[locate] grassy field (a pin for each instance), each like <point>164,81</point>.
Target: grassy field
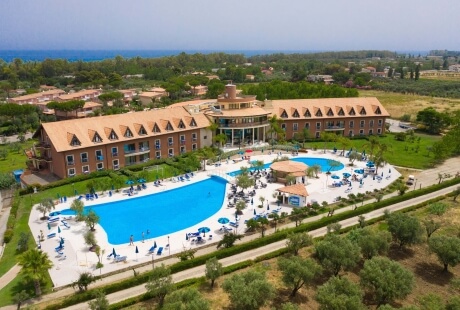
<point>400,104</point>
<point>15,159</point>
<point>401,153</point>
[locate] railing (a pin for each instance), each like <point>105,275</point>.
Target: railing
<point>144,149</point>
<point>130,151</point>
<point>182,142</point>
<point>70,163</point>
<point>232,125</point>
<point>43,145</point>
<point>116,167</point>
<point>84,160</point>
<point>100,157</point>
<point>334,127</point>
<point>115,154</point>
<point>157,146</point>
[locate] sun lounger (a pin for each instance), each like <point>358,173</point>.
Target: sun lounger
<point>63,257</point>
<point>120,259</point>
<point>160,250</point>
<point>110,193</point>
<point>233,224</point>
<point>144,186</point>
<point>152,249</point>
<point>80,197</point>
<point>52,235</point>
<point>210,237</point>
<point>95,195</point>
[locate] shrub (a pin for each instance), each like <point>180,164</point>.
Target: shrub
<point>8,235</point>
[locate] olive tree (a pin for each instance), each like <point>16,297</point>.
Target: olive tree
<point>186,299</point>
<point>213,270</point>
<point>447,249</point>
<point>341,294</point>
<point>405,229</point>
<point>297,241</point>
<point>297,272</point>
<point>160,283</point>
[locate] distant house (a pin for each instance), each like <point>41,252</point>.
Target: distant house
<point>199,90</point>
<point>454,68</point>
<point>250,77</point>
<point>212,77</point>
<point>153,94</point>
<point>327,79</point>
<point>128,94</point>
<point>44,96</point>
<point>379,74</point>
<point>368,70</point>
<point>85,95</point>
<point>46,87</point>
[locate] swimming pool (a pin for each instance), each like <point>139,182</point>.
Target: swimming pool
<point>161,213</point>
<point>309,161</point>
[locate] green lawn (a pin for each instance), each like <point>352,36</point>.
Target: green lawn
<point>14,160</point>
<point>402,153</point>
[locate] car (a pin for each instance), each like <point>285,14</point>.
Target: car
<point>410,180</point>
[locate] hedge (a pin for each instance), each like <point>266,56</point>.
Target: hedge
<point>278,236</point>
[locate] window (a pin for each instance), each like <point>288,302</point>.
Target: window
<point>182,149</point>
<point>352,112</point>
<point>370,132</point>
<point>129,148</point>
<point>379,131</point>
<point>317,134</point>
<point>97,138</point>
<point>379,123</point>
<point>351,133</point>
<point>142,131</point>
<point>193,136</point>
<point>99,155</point>
<point>295,127</point>
<point>283,126</point>
<point>128,133</point>
<point>113,135</point>
<point>100,166</point>
<point>295,114</point>
<point>170,141</point>
<point>182,139</point>
<point>341,112</point>
<point>319,113</point>
<point>114,151</point>
<point>205,137</point>
<point>156,129</point>
<point>318,125</point>
<point>284,114</point>
<point>75,141</point>
<point>330,113</point>
<point>371,123</point>
<point>181,124</point>
<point>84,157</point>
<point>307,125</point>
<point>307,113</point>
<point>330,124</point>
<point>169,126</point>
<point>85,169</point>
<point>116,164</point>
<point>144,146</point>
<point>362,124</point>
<point>170,152</point>
<point>157,144</point>
<point>363,111</point>
<point>157,154</point>
<point>378,111</point>
<point>194,147</point>
<point>361,132</point>
<point>71,172</point>
<point>193,123</point>
<point>70,160</point>
<point>352,124</point>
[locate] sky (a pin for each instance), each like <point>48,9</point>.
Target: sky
<point>396,25</point>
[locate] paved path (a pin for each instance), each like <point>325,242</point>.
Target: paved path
<point>9,276</point>
<point>426,178</point>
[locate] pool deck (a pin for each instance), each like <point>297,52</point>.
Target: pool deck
<point>79,259</point>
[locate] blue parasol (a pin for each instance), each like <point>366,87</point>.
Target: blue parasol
<point>114,254</point>
<point>137,251</point>
<point>223,220</point>
<point>255,212</point>
<point>130,182</point>
<point>335,176</point>
<point>141,180</point>
<point>204,230</point>
<point>346,174</point>
<point>186,237</point>
<point>252,201</point>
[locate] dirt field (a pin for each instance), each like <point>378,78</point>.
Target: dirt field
<point>424,265</point>
<point>398,104</point>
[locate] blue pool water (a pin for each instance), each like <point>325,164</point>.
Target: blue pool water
<point>310,161</point>
<point>162,213</point>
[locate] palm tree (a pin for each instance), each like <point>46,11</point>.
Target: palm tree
<point>372,144</point>
<point>220,138</point>
<point>275,129</point>
<point>205,153</point>
<point>345,143</point>
<point>328,137</point>
<point>35,265</point>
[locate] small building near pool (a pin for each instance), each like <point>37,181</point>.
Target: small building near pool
<point>293,195</point>
<point>285,168</point>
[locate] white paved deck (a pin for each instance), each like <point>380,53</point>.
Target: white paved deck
<point>79,259</point>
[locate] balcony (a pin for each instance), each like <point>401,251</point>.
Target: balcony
<point>100,157</point>
<point>43,145</point>
<point>115,154</point>
<point>182,142</point>
<point>141,151</point>
<point>194,139</point>
<point>70,163</point>
<point>130,151</point>
<point>43,158</point>
<point>243,125</point>
<point>84,160</point>
<point>157,146</point>
<point>332,128</point>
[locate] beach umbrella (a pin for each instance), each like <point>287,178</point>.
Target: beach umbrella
<point>59,229</point>
<point>240,152</point>
<point>252,201</point>
<point>114,254</point>
<point>154,244</point>
<point>248,151</point>
<point>186,237</point>
<point>130,182</point>
<point>141,180</point>
<point>49,226</point>
<point>223,220</point>
<point>335,176</point>
<point>255,212</point>
<point>346,174</point>
<point>204,230</point>
<point>137,251</point>
<point>268,206</point>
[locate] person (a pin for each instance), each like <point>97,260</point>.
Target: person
<point>143,237</point>
<point>42,237</point>
<point>131,240</point>
<point>209,193</point>
<point>148,231</point>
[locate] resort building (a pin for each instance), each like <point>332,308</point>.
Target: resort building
<point>344,116</point>
<point>73,147</point>
<point>45,96</point>
<point>80,146</point>
<point>85,95</point>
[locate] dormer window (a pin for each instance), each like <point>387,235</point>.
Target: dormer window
<point>284,114</point>
<point>363,111</point>
<point>352,111</point>
<point>113,135</point>
<point>75,141</point>
<point>193,123</point>
<point>128,133</point>
<point>378,111</point>
<point>330,113</point>
<point>319,113</point>
<point>181,125</point>
<point>341,112</point>
<point>307,113</point>
<point>142,131</point>
<point>156,129</point>
<point>169,127</point>
<point>97,138</point>
<point>296,114</point>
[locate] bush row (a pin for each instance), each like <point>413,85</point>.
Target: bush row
<point>9,232</point>
<point>257,243</point>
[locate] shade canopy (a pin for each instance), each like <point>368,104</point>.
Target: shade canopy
<point>223,220</point>
<point>289,166</point>
<point>114,254</point>
<point>130,182</point>
<point>141,180</point>
<point>204,230</point>
<point>335,176</point>
<point>248,151</point>
<point>137,250</point>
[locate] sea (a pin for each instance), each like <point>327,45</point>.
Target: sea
<point>97,55</point>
